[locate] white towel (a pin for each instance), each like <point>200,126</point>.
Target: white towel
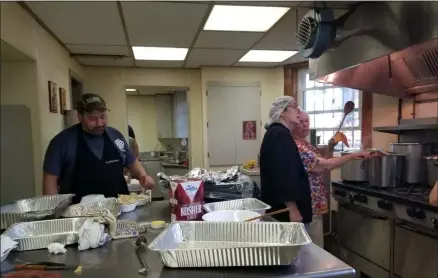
<point>92,233</point>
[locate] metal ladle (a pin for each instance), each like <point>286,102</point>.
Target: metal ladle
<point>140,244</point>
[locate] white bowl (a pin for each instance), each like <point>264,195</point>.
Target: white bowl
<point>142,202</point>
<point>128,208</point>
<point>230,215</point>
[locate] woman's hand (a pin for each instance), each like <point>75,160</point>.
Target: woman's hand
<point>363,154</point>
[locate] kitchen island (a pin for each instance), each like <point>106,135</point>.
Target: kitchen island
<point>118,258</point>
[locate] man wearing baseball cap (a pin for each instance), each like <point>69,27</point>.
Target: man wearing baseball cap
<point>90,157</point>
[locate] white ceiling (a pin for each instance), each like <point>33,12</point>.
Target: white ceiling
<point>111,28</point>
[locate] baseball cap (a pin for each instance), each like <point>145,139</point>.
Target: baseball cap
<point>90,102</point>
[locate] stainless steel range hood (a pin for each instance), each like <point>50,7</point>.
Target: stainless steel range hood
<point>400,59</point>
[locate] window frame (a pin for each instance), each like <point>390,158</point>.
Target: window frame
<point>301,83</point>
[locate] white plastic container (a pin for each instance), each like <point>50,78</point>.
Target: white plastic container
<point>128,208</point>
<point>230,216</point>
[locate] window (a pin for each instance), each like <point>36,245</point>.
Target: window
<point>325,105</point>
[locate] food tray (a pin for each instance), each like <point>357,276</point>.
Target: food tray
<point>38,208</point>
<point>229,244</point>
<point>93,208</point>
<point>252,204</point>
<point>39,234</point>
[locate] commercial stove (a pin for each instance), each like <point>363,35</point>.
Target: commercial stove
<point>387,232</point>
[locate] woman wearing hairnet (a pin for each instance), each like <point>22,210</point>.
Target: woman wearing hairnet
<point>284,181</point>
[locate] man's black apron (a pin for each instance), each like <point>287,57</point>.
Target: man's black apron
<point>97,176</point>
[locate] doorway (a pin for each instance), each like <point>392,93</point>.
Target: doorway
<point>76,88</point>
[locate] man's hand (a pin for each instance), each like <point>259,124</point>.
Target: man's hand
<point>147,181</point>
<point>295,216</point>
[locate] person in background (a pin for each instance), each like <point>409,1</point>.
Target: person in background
<point>284,181</point>
<point>89,157</point>
<point>315,165</point>
<point>133,142</point>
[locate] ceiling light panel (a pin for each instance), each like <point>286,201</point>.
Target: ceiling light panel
<point>243,18</point>
<point>131,90</point>
<point>159,53</point>
<point>268,56</point>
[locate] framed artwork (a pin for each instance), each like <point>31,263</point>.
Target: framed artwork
<point>249,130</point>
<point>53,97</point>
<point>62,100</point>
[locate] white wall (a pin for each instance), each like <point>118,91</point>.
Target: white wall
<point>53,62</point>
<point>142,117</point>
<point>110,83</point>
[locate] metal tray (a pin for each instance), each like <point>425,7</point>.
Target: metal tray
<point>38,208</point>
<point>93,208</point>
<point>229,244</point>
<point>39,234</point>
<point>252,204</point>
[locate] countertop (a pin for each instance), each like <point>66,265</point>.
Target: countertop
<point>170,165</point>
<point>118,259</point>
<point>413,200</point>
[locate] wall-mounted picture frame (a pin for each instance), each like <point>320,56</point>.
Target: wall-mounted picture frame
<point>53,97</point>
<point>62,100</point>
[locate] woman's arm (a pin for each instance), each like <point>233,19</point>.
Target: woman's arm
<point>335,162</point>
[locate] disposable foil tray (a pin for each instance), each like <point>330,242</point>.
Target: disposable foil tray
<point>229,244</point>
<point>39,234</point>
<point>93,208</point>
<point>33,209</point>
<point>252,204</point>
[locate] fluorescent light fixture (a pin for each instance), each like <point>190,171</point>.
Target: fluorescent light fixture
<point>273,56</point>
<point>243,18</point>
<point>131,90</point>
<point>159,53</point>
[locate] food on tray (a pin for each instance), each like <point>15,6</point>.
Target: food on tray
<point>186,200</point>
<point>340,137</point>
<point>250,164</point>
<point>127,199</point>
<point>158,224</point>
<point>137,197</point>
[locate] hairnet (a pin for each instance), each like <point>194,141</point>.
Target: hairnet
<point>277,107</point>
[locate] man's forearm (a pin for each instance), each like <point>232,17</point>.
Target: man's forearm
<point>50,184</point>
<point>136,169</point>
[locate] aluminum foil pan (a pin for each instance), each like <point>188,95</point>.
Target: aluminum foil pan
<point>229,244</point>
<point>39,234</point>
<point>231,174</point>
<point>252,204</point>
<point>93,208</point>
<point>38,208</point>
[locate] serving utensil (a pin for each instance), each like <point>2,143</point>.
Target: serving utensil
<point>268,214</point>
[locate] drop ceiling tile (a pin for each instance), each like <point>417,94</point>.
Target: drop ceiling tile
<point>282,35</point>
<point>260,3</point>
<point>297,58</point>
<point>329,4</point>
<point>213,57</point>
<point>228,40</point>
<point>159,64</point>
<point>163,24</point>
<point>81,22</point>
<point>257,64</point>
<point>99,49</point>
<point>107,62</point>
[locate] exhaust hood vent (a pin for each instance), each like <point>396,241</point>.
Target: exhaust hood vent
<point>399,58</point>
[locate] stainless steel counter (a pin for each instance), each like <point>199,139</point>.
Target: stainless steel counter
<point>118,259</point>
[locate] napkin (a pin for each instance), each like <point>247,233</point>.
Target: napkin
<point>7,244</point>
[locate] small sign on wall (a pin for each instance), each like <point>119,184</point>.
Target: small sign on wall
<point>53,97</point>
<point>249,129</point>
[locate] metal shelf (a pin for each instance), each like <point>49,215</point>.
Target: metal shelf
<point>405,128</point>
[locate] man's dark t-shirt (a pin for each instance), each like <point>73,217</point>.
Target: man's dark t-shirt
<point>282,174</point>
